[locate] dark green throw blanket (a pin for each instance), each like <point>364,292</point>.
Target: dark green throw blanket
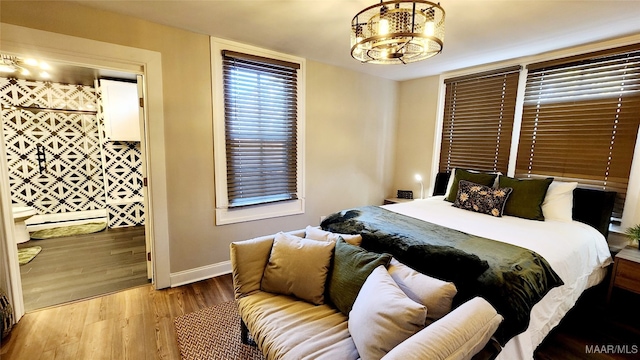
<point>513,279</point>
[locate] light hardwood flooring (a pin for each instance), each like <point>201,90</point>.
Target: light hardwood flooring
<point>81,266</point>
<point>138,324</point>
<point>131,324</point>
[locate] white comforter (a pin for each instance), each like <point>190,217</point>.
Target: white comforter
<point>577,252</point>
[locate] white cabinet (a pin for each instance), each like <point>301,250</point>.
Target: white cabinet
<point>121,110</point>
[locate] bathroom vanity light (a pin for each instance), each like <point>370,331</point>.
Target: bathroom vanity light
<point>10,64</point>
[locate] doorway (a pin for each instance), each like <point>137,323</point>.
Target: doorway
<point>67,165</point>
<point>95,54</point>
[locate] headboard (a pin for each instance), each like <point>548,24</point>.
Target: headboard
<point>440,185</point>
<point>592,207</point>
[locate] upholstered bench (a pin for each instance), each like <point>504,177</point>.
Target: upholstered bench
<point>322,297</point>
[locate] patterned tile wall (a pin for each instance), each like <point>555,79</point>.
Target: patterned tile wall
<point>46,95</point>
<point>83,170</point>
<point>71,178</point>
<point>123,178</point>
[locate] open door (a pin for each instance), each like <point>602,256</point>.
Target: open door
<point>143,149</point>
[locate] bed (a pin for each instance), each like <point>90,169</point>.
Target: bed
<point>577,252</point>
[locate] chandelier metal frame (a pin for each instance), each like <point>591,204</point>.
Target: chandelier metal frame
<point>397,32</point>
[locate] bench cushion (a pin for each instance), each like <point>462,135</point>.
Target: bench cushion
<point>287,328</point>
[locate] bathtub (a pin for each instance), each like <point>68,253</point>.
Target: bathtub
<point>48,221</point>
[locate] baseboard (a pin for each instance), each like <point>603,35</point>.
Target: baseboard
<point>201,273</point>
<point>48,221</point>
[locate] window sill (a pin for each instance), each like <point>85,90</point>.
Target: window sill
<point>226,216</point>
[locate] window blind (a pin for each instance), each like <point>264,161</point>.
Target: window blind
<point>580,121</point>
<point>478,121</point>
<point>260,101</point>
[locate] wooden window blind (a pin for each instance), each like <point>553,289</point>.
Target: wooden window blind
<point>260,103</point>
<point>478,121</point>
<point>580,121</point>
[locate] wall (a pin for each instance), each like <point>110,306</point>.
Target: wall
<point>416,134</point>
<point>350,126</point>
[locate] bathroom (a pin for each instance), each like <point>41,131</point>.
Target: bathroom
<point>72,164</point>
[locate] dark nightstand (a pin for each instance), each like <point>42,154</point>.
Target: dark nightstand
<point>395,201</point>
<point>626,271</point>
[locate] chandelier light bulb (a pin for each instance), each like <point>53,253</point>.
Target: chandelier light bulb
<point>44,66</point>
<point>383,27</point>
<point>44,75</point>
<point>429,28</point>
<point>25,72</point>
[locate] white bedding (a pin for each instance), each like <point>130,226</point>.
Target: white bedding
<point>577,252</point>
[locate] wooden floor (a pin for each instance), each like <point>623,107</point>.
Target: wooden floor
<point>131,324</point>
<point>82,266</point>
<point>138,324</point>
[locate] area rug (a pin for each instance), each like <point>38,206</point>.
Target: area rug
<point>213,334</point>
<point>27,254</point>
<point>68,230</point>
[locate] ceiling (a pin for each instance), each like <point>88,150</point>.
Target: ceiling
<point>476,31</point>
<point>70,74</point>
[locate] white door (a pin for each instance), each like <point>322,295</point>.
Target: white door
<point>143,149</point>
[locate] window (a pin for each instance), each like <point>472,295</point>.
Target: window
<point>478,121</point>
<point>260,106</point>
<point>257,134</point>
<point>580,120</point>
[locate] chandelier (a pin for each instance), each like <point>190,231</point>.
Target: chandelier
<point>397,32</point>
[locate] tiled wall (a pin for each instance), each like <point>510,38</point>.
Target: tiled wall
<point>71,179</point>
<point>123,179</point>
<point>74,178</point>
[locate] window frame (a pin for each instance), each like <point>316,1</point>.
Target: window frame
<point>225,214</point>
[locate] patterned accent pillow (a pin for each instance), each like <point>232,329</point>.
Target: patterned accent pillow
<point>482,199</point>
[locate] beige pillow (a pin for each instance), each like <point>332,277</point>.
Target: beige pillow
<point>298,267</point>
<point>322,235</point>
<point>435,294</point>
<point>383,316</point>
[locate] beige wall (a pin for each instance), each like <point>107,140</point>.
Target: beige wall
<point>415,136</point>
<point>350,126</point>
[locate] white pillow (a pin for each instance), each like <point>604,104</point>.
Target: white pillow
<point>383,316</point>
<point>435,294</point>
<point>558,202</point>
<point>315,233</point>
<point>459,335</point>
<point>298,267</point>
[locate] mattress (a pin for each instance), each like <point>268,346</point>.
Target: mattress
<point>577,252</point>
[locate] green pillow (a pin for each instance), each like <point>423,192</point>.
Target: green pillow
<point>526,198</point>
<point>478,178</point>
<point>351,267</point>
